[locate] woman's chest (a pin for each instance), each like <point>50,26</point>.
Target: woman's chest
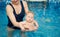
<point>18,9</point>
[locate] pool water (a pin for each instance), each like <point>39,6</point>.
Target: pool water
<point>48,18</point>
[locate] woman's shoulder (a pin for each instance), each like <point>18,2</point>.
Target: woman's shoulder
<point>8,7</point>
<point>24,2</point>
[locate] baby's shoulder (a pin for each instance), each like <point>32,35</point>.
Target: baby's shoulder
<point>34,21</point>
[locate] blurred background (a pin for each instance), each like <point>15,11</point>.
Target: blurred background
<point>47,14</point>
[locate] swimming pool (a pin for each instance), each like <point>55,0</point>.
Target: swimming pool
<point>48,18</point>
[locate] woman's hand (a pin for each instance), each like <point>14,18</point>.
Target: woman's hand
<point>21,26</point>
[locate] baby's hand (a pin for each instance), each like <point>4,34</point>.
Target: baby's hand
<point>35,28</point>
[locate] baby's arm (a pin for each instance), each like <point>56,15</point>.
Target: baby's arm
<point>35,24</point>
<point>32,27</point>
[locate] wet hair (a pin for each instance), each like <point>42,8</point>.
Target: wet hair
<point>30,12</point>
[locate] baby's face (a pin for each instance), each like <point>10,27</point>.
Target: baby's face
<point>29,17</point>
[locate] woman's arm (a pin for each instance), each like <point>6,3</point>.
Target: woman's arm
<point>11,15</point>
<point>22,26</point>
<point>25,7</point>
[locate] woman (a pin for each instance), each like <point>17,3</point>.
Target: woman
<point>16,10</point>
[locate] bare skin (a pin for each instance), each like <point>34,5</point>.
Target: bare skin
<point>29,24</point>
<point>18,8</point>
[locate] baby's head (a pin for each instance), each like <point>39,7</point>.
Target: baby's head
<point>29,17</point>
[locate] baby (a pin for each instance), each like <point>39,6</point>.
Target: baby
<point>29,24</point>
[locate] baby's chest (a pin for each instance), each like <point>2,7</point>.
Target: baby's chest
<point>28,25</point>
